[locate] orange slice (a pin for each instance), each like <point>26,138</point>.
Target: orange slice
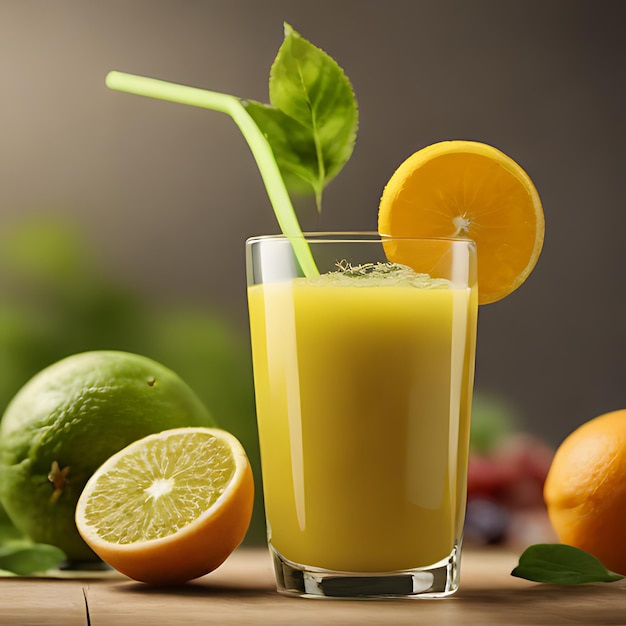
<point>470,190</point>
<point>170,507</point>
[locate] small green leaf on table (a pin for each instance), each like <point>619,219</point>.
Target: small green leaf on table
<point>561,564</point>
<point>24,558</point>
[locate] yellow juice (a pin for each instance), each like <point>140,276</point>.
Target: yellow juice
<point>363,400</point>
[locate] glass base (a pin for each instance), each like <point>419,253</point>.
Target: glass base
<point>436,581</point>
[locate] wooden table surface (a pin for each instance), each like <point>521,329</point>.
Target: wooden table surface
<point>242,592</point>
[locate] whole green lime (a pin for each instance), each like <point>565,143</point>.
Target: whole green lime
<point>70,418</point>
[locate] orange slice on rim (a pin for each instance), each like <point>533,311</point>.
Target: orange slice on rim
<point>470,190</point>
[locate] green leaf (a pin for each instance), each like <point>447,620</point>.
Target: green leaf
<point>312,121</point>
<point>25,558</point>
<point>561,564</point>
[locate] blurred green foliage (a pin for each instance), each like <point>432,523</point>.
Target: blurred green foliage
<point>56,300</point>
<point>493,419</point>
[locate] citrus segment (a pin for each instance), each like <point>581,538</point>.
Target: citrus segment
<point>169,507</point>
<point>585,490</point>
<point>469,190</point>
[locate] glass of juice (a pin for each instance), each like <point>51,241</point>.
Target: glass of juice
<point>363,380</point>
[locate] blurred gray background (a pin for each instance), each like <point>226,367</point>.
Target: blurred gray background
<point>166,195</point>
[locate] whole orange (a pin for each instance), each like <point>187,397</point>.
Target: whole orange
<point>585,490</point>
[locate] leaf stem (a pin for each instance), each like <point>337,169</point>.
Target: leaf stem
<point>259,146</point>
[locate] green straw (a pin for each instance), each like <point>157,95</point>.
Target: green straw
<point>261,150</point>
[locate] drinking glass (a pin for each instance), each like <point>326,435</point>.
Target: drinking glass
<point>363,381</point>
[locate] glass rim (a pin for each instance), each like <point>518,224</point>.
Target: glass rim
<point>350,236</point>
